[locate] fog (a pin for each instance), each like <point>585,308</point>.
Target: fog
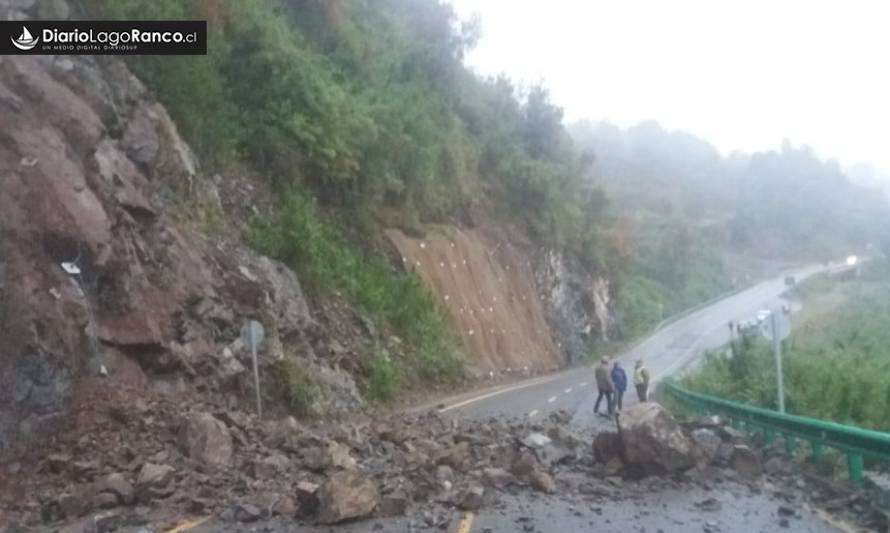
<point>744,74</point>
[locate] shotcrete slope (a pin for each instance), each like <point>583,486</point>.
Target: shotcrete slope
<point>487,289</point>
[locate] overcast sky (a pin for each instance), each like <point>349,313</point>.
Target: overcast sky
<point>740,74</point>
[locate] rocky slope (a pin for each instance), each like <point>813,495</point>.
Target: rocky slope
<point>111,278</point>
<point>97,276</point>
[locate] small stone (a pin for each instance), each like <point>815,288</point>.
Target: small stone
<point>542,481</point>
<point>105,500</point>
<point>285,506</point>
<point>393,504</point>
<point>784,510</point>
<point>247,513</point>
<point>746,462</point>
<point>497,478</point>
<point>472,498</point>
<point>116,484</point>
<point>107,521</point>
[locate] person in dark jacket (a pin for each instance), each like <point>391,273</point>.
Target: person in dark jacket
<point>604,386</point>
<point>619,380</point>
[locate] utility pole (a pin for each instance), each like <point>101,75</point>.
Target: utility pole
<point>777,349</point>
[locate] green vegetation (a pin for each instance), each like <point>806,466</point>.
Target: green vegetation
<point>384,377</point>
<point>300,235</point>
<point>368,105</point>
<point>294,385</point>
<point>836,363</point>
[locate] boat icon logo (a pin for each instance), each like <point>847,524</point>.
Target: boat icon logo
<point>26,41</point>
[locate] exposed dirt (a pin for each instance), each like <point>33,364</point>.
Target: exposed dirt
<point>487,288</point>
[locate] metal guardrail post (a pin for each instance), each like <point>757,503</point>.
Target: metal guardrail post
<point>769,436</point>
<point>854,463</point>
<point>816,448</point>
<point>790,444</point>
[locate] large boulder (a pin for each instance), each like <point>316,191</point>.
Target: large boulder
<point>205,438</point>
<point>346,495</point>
<point>653,441</point>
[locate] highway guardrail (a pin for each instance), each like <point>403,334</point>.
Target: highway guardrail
<point>855,442</point>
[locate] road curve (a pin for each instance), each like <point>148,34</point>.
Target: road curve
<point>666,352</point>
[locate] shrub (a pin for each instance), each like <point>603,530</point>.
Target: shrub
<point>315,246</point>
<point>384,377</point>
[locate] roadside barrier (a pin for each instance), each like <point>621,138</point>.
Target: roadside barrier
<point>855,442</point>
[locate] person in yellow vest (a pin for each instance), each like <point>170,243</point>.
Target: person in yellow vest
<point>641,381</point>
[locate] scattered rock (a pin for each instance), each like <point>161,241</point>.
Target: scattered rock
<point>542,482</point>
<point>117,485</point>
<point>455,456</point>
<point>154,481</point>
<point>339,457</point>
<point>394,504</point>
<point>307,498</point>
<point>497,478</point>
<point>345,495</point>
<point>709,505</point>
<point>107,521</point>
<point>247,513</point>
<point>285,506</point>
<point>746,462</point>
<point>708,441</point>
<point>269,467</point>
<point>524,465</point>
<point>207,439</point>
<point>471,500</point>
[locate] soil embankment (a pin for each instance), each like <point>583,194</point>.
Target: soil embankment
<point>487,289</point>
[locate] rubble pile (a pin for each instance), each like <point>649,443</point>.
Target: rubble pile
<point>150,461</point>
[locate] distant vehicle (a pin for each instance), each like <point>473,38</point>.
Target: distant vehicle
<point>762,315</point>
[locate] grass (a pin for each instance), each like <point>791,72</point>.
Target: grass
<point>384,377</point>
<point>315,246</point>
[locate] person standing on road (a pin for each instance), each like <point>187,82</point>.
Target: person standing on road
<point>604,386</point>
<point>619,380</point>
<point>641,381</point>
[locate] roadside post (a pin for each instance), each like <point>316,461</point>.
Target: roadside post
<point>780,328</point>
<point>252,334</point>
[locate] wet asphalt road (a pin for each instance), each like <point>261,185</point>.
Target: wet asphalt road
<point>668,351</point>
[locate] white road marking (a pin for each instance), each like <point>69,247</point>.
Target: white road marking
<point>497,392</point>
<point>568,390</point>
<point>533,413</point>
<point>582,384</point>
<point>552,399</point>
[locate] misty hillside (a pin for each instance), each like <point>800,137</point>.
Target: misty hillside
<point>783,204</point>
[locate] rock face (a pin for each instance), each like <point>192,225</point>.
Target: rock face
<point>207,439</point>
<point>576,304</point>
<point>87,163</point>
<point>346,495</point>
<point>653,442</point>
